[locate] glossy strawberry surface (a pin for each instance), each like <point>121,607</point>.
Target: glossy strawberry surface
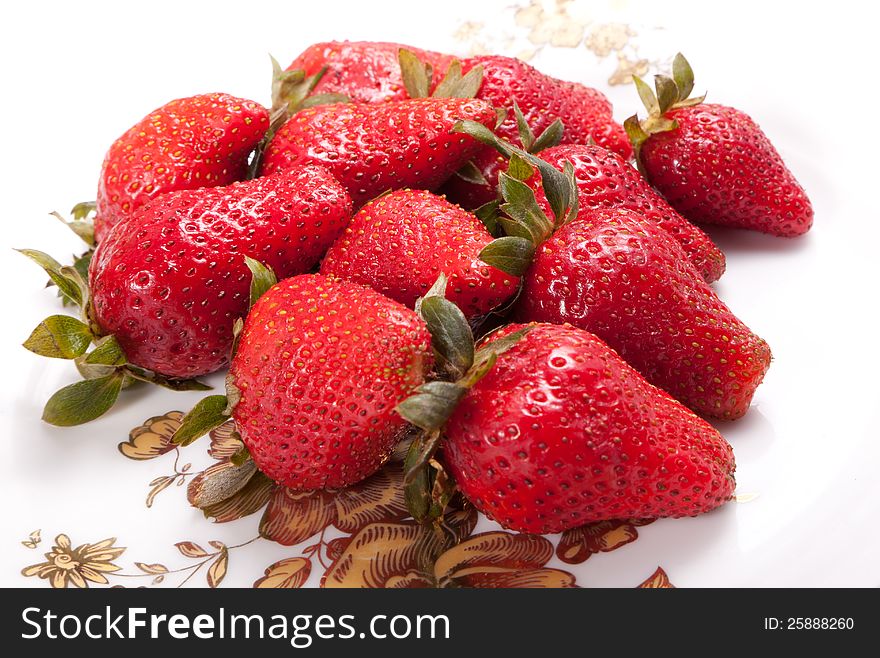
<point>605,180</point>
<point>718,167</point>
<point>365,71</point>
<point>320,367</point>
<point>170,280</point>
<point>375,148</point>
<point>400,243</point>
<point>585,112</point>
<point>620,276</point>
<point>199,141</point>
<point>562,432</point>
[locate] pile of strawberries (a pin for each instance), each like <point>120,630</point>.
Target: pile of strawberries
<point>465,259</point>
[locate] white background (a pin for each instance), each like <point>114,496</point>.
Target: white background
<point>76,75</point>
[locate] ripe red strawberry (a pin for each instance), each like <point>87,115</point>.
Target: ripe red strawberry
<point>200,141</point>
<point>562,432</point>
<point>620,276</point>
<point>375,148</point>
<point>585,113</point>
<point>365,71</point>
<point>169,281</point>
<point>713,163</point>
<point>320,367</point>
<point>400,243</point>
<point>605,180</point>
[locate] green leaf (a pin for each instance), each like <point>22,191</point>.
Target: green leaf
<point>456,85</point>
<point>420,452</point>
<point>574,200</point>
<point>70,286</point>
<point>556,185</point>
<point>557,188</point>
<point>526,136</point>
<point>451,335</point>
<point>83,228</point>
<point>417,479</point>
<point>690,102</point>
<point>510,254</point>
<point>635,132</point>
<point>431,405</point>
<point>438,289</point>
<point>500,346</point>
<point>480,370</point>
<point>262,278</point>
<point>519,168</point>
<point>81,265</point>
<point>667,92</point>
<point>60,337</point>
<point>83,401</point>
<point>465,86</point>
<point>683,75</point>
<point>237,328</point>
<point>487,356</point>
<point>521,206</point>
<point>205,416</point>
<point>416,74</point>
<point>488,214</point>
<point>283,82</point>
<point>83,209</point>
<point>107,352</point>
<point>289,91</point>
<point>483,135</point>
<point>450,81</point>
<point>551,136</point>
<point>94,371</point>
<point>324,99</point>
<point>472,174</point>
<point>647,95</point>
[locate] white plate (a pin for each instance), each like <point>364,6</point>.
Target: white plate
<point>807,452</point>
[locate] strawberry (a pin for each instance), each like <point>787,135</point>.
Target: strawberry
<point>200,141</point>
<point>562,432</point>
<point>585,113</point>
<point>400,243</point>
<point>617,274</point>
<point>605,180</point>
<point>320,366</point>
<point>374,148</point>
<point>169,281</point>
<point>713,163</point>
<point>365,71</point>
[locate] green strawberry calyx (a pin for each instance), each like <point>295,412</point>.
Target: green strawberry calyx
<point>518,213</point>
<point>417,76</point>
<point>668,94</point>
<point>105,369</point>
<point>291,93</point>
<point>460,365</point>
<point>82,224</point>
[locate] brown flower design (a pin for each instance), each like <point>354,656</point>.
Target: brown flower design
<point>152,438</point>
<point>293,517</point>
<point>409,555</point>
<point>78,566</point>
<point>225,441</point>
<point>658,580</point>
<point>578,544</point>
<point>381,545</point>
